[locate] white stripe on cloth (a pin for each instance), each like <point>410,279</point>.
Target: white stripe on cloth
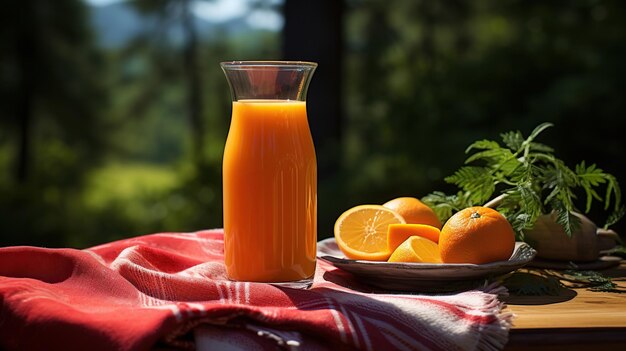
<point>247,292</point>
<point>355,337</point>
<point>366,337</point>
<point>228,292</point>
<point>337,318</point>
<point>218,286</point>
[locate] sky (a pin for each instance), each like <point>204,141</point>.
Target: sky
<point>224,10</point>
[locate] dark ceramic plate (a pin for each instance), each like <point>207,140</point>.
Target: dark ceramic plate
<point>423,276</point>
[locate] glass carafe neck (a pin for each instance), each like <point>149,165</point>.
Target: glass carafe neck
<point>268,80</point>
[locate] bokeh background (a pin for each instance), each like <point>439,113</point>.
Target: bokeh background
<point>114,114</point>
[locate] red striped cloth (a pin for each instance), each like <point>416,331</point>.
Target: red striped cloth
<point>171,289</point>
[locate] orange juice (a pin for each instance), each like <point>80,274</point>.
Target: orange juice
<point>270,192</point>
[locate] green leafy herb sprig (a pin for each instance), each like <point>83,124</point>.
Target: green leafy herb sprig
<point>529,180</point>
<point>592,280</point>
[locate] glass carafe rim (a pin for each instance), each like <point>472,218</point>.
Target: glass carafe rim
<point>243,65</point>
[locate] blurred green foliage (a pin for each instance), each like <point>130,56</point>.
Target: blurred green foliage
<point>427,78</point>
<point>111,142</point>
<point>140,177</point>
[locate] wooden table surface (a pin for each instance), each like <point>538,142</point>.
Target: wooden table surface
<point>576,319</point>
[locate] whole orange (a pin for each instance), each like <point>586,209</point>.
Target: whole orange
<point>414,211</point>
<point>476,235</point>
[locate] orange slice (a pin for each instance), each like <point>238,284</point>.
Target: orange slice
<point>361,232</point>
<point>398,233</point>
<point>418,250</point>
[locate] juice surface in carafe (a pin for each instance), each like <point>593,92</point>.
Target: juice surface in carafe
<point>270,192</point>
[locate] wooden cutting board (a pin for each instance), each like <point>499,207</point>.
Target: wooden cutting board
<point>576,319</point>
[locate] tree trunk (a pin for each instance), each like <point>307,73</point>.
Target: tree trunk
<point>193,78</point>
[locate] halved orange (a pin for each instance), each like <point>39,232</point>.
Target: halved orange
<point>361,232</point>
<point>417,250</point>
<point>398,233</point>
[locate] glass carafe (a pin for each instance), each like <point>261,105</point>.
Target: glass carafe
<point>270,175</point>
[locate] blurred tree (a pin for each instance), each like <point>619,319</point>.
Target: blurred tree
<point>178,12</point>
<point>52,98</point>
<point>49,84</point>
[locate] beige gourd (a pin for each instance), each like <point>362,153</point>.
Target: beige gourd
<point>585,244</point>
<point>551,241</point>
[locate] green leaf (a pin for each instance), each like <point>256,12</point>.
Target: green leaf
<point>540,128</point>
<point>513,140</point>
<point>520,221</point>
<point>609,191</point>
<point>483,145</point>
<point>613,188</point>
<point>567,221</point>
<point>590,175</point>
<point>531,201</point>
<point>522,206</point>
<point>497,158</point>
<point>445,205</point>
<point>522,173</point>
<point>493,154</point>
<point>565,218</point>
<point>560,180</point>
<point>510,166</point>
<point>538,147</point>
<point>478,182</point>
<point>466,176</point>
<point>615,216</point>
